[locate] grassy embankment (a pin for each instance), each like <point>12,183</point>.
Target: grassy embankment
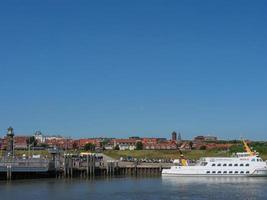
<point>194,154</point>
<point>170,154</point>
<point>164,154</point>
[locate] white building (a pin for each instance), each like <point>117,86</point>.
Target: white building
<point>39,137</point>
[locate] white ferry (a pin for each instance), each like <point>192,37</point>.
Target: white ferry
<point>241,164</point>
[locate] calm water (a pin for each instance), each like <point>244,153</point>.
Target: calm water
<point>136,188</point>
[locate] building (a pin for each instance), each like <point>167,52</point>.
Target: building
<point>125,144</point>
<point>80,143</point>
<point>199,138</point>
<point>20,142</point>
<point>1,143</point>
<point>185,146</point>
<point>205,138</point>
<point>153,140</point>
<point>210,138</point>
<point>174,136</point>
<point>39,137</point>
<point>165,145</point>
<point>179,137</point>
<point>61,143</point>
<point>108,146</point>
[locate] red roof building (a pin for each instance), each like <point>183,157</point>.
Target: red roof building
<point>82,142</point>
<point>166,145</point>
<point>124,141</point>
<point>149,141</point>
<point>20,142</point>
<point>62,143</point>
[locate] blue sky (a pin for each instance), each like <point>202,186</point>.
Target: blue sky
<point>123,68</point>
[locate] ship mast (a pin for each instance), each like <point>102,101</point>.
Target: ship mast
<point>247,148</point>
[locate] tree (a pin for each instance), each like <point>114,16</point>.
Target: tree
<point>31,141</point>
<point>203,147</point>
<point>44,145</point>
<point>103,143</point>
<point>75,146</point>
<point>89,147</point>
<point>117,147</point>
<point>191,144</point>
<point>139,146</point>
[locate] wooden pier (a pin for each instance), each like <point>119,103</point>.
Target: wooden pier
<point>31,168</point>
<point>90,167</point>
<point>73,166</point>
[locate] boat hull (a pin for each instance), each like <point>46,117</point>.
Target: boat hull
<point>205,175</point>
<point>256,173</point>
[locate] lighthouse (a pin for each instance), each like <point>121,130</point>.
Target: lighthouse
<point>10,141</point>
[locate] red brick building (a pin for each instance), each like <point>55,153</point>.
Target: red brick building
<point>124,141</point>
<point>82,142</point>
<point>20,142</point>
<point>150,141</point>
<point>163,145</point>
<point>62,143</point>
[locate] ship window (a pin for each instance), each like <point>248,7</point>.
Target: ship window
<point>236,164</point>
<point>230,165</point>
<point>241,172</point>
<point>241,164</point>
<point>213,172</point>
<point>213,165</point>
<point>208,172</point>
<point>247,172</point>
<point>203,163</point>
<point>230,172</point>
<point>225,172</point>
<point>219,164</point>
<point>247,165</point>
<point>236,172</point>
<point>224,165</point>
<point>219,172</point>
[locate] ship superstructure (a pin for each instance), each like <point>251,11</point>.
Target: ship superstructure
<point>247,163</point>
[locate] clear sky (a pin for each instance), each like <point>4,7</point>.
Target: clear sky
<point>123,68</point>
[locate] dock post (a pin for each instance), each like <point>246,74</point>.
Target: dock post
<point>68,166</point>
<point>65,173</point>
<point>93,166</point>
<point>71,167</point>
<point>8,172</point>
<point>108,168</point>
<point>87,165</point>
<point>135,168</point>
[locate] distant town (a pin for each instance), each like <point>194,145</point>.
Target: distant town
<point>40,141</point>
<point>39,155</point>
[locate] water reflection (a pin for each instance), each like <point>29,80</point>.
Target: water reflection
<point>217,187</point>
<point>156,188</point>
<point>213,180</point>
